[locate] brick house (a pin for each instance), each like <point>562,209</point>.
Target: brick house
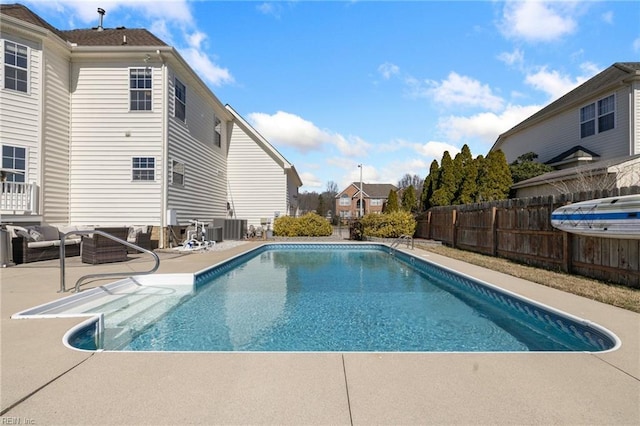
<point>374,197</point>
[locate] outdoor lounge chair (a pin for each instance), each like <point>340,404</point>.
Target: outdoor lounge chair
<point>100,249</point>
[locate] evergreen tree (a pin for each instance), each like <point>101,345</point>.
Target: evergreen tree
<point>409,199</point>
<point>466,187</point>
<point>429,185</point>
<point>494,177</point>
<point>392,202</point>
<point>444,192</point>
<point>525,167</point>
<point>321,210</point>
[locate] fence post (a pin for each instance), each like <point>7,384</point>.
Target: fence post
<point>454,214</point>
<point>494,232</point>
<point>567,252</point>
<point>428,225</point>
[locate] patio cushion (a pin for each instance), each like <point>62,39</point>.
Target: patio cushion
<point>49,233</point>
<point>38,244</point>
<point>67,241</point>
<point>34,235</point>
<point>14,229</point>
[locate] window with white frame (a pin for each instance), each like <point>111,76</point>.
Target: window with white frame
<point>376,202</point>
<point>606,113</point>
<point>177,172</point>
<point>217,131</point>
<point>140,86</point>
<point>180,100</point>
<point>14,158</point>
<point>345,200</point>
<point>597,117</point>
<point>16,67</point>
<point>143,168</point>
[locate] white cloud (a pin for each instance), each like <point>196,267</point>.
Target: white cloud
<point>177,11</point>
<point>294,131</point>
<point>636,45</point>
<point>354,146</point>
<point>290,129</point>
<point>608,17</point>
<point>515,58</point>
<point>270,8</point>
<point>459,90</point>
<point>434,149</point>
<point>538,21</point>
<point>486,126</point>
<point>556,84</point>
<point>206,68</point>
<point>387,70</point>
<point>311,181</point>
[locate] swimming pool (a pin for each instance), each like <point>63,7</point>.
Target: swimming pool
<point>334,297</point>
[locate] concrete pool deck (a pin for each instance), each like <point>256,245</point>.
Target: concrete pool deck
<point>43,382</point>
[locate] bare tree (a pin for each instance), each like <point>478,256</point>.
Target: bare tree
<point>332,188</point>
<point>604,178</point>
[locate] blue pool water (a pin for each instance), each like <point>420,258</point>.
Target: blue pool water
<point>350,298</point>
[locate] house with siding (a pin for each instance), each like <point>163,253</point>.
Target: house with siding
<point>374,198</point>
<point>597,121</point>
<point>266,189</point>
<point>106,127</point>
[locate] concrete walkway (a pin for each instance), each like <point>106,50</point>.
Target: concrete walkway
<point>43,382</point>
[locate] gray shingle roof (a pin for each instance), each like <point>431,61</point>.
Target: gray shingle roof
<point>23,13</point>
<point>87,37</point>
<point>376,190</point>
<point>113,37</point>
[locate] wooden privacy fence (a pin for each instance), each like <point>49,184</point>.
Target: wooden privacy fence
<point>520,230</point>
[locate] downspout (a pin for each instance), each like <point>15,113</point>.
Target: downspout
<point>633,125</point>
<point>165,152</point>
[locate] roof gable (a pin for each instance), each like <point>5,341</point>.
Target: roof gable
<point>370,190</point>
<point>25,14</point>
<point>605,80</point>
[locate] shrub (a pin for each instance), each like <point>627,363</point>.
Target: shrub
<point>309,225</point>
<point>389,225</point>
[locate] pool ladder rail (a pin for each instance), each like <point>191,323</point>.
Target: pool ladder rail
<point>102,275</point>
<point>406,238</point>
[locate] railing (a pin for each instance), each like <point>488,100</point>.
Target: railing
<point>408,239</point>
<point>102,275</point>
<point>19,197</point>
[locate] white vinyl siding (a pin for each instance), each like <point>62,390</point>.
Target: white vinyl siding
<point>20,118</point>
<point>203,195</point>
<point>634,96</point>
<point>56,145</point>
<point>258,183</point>
<point>561,132</point>
<point>106,135</point>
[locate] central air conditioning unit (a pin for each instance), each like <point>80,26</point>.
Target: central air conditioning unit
<point>214,234</point>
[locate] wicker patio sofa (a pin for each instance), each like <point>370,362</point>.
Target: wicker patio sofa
<point>100,249</point>
<point>41,242</point>
<point>140,236</point>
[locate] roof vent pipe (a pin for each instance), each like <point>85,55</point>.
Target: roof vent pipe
<point>101,12</point>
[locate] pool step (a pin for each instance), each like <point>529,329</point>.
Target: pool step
<point>123,325</point>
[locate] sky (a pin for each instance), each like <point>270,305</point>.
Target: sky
<point>387,85</point>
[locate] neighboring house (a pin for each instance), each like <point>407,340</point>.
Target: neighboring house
<point>374,197</point>
<point>106,127</point>
<point>263,185</point>
<point>598,120</point>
